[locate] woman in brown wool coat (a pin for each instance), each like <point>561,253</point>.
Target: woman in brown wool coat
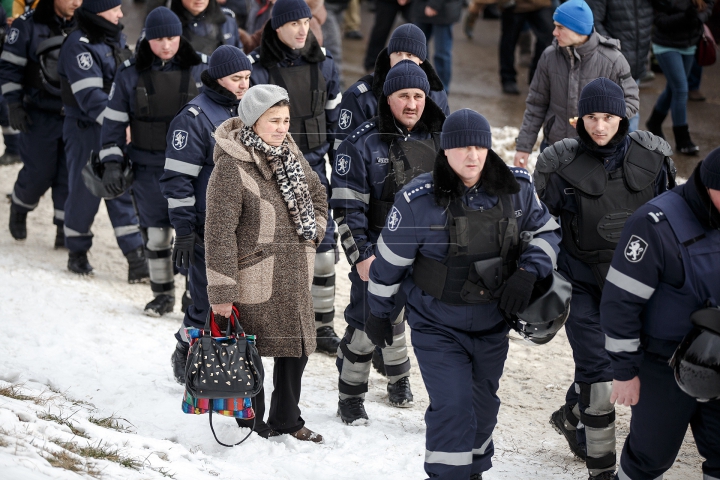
<point>266,213</point>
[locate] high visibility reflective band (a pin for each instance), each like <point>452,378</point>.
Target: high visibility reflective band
<point>182,167</point>
<point>391,257</point>
<point>337,143</point>
<point>14,59</point>
<point>116,116</point>
<point>17,201</point>
<point>69,232</point>
<point>629,284</point>
<point>126,230</point>
<point>100,117</point>
<point>382,290</point>
<point>59,214</point>
<point>105,152</point>
<point>330,104</point>
<point>483,447</point>
<point>10,131</point>
<point>349,194</point>
<point>624,476</point>
<point>92,82</point>
<point>181,202</point>
<point>545,246</point>
<point>455,459</point>
<point>548,227</point>
<point>708,477</point>
<point>10,87</point>
<point>621,344</point>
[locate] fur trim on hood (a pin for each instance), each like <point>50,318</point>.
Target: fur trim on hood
<point>495,179</point>
<point>272,50</point>
<point>186,57</point>
<point>382,67</point>
<point>431,120</point>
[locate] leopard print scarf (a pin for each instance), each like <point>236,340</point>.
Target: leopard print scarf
<point>291,180</point>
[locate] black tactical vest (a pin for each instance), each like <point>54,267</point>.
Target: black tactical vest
<point>408,159</point>
<point>156,107</point>
<point>66,93</point>
<point>307,91</point>
<point>483,253</point>
<point>43,74</point>
<point>206,44</point>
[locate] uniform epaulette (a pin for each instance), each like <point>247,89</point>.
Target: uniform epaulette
<point>203,57</point>
<point>228,12</point>
<point>127,63</point>
<point>520,172</point>
<point>84,40</point>
<point>27,14</point>
<point>195,110</point>
<point>656,217</point>
<point>361,88</point>
<point>418,191</point>
<point>360,131</point>
<point>253,57</point>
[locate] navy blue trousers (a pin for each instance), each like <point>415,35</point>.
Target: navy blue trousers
<point>358,310</point>
<point>152,205</point>
<point>196,314</point>
<point>462,374</point>
<point>10,136</point>
<point>659,422</point>
<point>43,154</point>
<point>81,206</point>
<point>329,242</point>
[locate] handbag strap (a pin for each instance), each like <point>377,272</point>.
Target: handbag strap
<point>235,320</point>
<point>234,444</point>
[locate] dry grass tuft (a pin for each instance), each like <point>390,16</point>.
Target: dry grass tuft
<point>112,422</point>
<point>13,391</point>
<point>51,417</point>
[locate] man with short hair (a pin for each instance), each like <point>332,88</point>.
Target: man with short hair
<point>206,25</point>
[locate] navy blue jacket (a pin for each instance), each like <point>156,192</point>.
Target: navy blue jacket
<point>202,25</point>
<point>408,233</point>
<point>25,34</point>
<point>121,104</point>
<point>189,155</point>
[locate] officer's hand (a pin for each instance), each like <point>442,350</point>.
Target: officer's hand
<point>224,309</point>
<point>113,179</point>
<point>521,159</point>
<point>518,290</point>
<point>379,331</point>
<point>363,268</point>
<point>626,393</point>
<point>19,118</point>
<point>184,251</point>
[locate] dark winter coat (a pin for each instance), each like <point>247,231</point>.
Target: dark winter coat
<point>678,24</point>
<point>629,21</point>
<point>449,11</point>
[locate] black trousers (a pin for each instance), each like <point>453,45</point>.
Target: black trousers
<point>540,22</point>
<point>385,14</point>
<point>284,415</point>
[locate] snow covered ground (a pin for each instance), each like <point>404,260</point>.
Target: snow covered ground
<point>86,387</point>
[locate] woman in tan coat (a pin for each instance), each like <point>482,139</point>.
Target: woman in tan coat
<point>266,213</point>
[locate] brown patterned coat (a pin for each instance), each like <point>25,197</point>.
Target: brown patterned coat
<point>255,259</point>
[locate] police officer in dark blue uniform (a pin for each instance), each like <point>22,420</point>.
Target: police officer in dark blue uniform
<point>10,135</point>
<point>87,64</point>
<point>289,56</point>
<point>459,230</point>
<point>370,167</point>
<point>206,25</point>
<point>593,184</point>
<point>664,270</point>
<point>31,86</point>
<point>360,101</point>
<point>147,93</point>
<point>188,165</point>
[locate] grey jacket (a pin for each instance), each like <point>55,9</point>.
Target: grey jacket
<point>561,74</point>
<point>631,22</point>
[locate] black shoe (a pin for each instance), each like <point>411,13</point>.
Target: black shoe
<point>557,420</point>
<point>654,123</point>
<point>476,476</point>
<point>78,263</point>
<point>185,301</point>
<point>354,35</point>
<point>160,305</point>
<point>378,363</point>
<point>352,411</point>
<point>399,393</point>
<point>510,88</point>
<point>18,223</point>
<point>606,475</point>
<point>137,266</point>
<point>683,143</point>
<point>59,237</point>
<point>327,340</point>
<point>9,158</point>
<point>178,360</point>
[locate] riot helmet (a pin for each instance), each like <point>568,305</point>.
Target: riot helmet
<point>547,311</point>
<point>48,53</point>
<point>696,362</point>
<point>92,174</point>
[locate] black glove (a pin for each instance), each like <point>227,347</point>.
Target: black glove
<point>113,179</point>
<point>184,251</point>
<point>379,331</point>
<point>518,290</point>
<point>19,118</point>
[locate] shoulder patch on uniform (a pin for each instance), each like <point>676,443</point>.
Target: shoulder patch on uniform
<point>656,217</point>
<point>520,172</point>
<point>652,142</point>
<point>344,119</point>
<point>413,193</point>
<point>361,88</point>
<point>12,36</point>
<point>84,40</point>
<point>394,219</point>
<point>228,12</point>
<point>85,60</point>
<point>559,153</point>
<point>635,249</point>
<point>180,138</point>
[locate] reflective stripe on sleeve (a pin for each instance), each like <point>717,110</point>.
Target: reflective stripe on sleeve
<point>111,114</point>
<point>550,226</point>
<point>545,246</point>
<point>14,59</point>
<point>182,167</point>
<point>10,87</point>
<point>386,291</point>
<point>100,117</point>
<point>106,152</point>
<point>181,202</point>
<point>629,284</point>
<point>618,345</point>
<point>390,256</point>
<point>330,104</point>
<point>126,230</point>
<point>449,458</point>
<point>349,194</point>
<point>91,82</point>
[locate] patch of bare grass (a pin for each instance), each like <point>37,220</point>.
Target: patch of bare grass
<point>112,422</point>
<point>51,417</point>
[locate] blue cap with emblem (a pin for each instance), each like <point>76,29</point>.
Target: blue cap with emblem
<point>465,128</point>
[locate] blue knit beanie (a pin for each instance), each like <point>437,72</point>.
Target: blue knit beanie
<point>575,15</point>
<point>405,74</point>
<point>602,95</point>
<point>161,23</point>
<point>285,11</point>
<point>465,128</point>
<point>710,170</point>
<point>227,60</point>
<point>408,38</point>
<point>97,6</point>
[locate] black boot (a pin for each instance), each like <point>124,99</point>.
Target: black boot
<point>9,158</point>
<point>137,266</point>
<point>178,360</point>
<point>185,301</point>
<point>327,340</point>
<point>352,411</point>
<point>59,237</point>
<point>18,220</point>
<point>378,363</point>
<point>654,123</point>
<point>606,475</point>
<point>683,143</point>
<point>160,305</point>
<point>560,419</point>
<point>78,263</point>
<point>476,476</point>
<point>399,393</point>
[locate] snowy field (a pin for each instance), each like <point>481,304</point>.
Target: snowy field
<point>86,387</point>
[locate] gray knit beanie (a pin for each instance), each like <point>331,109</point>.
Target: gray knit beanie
<point>258,100</point>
